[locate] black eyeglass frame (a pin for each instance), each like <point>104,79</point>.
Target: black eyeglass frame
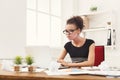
<point>69,31</point>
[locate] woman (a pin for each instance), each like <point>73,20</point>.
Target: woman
<point>81,50</point>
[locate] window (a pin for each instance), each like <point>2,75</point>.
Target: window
<point>44,22</point>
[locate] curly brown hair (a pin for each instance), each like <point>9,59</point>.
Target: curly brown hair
<point>76,20</point>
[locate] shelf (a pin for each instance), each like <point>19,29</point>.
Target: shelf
<point>90,13</point>
<point>111,46</point>
<point>96,29</point>
<point>95,32</point>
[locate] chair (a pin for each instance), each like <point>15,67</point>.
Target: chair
<point>99,55</point>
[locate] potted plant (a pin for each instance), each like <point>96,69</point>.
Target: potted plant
<point>29,61</point>
<point>17,62</point>
<point>93,8</point>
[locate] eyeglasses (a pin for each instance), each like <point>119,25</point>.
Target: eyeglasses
<point>69,31</point>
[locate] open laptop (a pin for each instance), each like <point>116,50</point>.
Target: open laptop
<point>42,55</point>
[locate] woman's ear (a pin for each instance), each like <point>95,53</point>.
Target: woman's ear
<point>79,31</point>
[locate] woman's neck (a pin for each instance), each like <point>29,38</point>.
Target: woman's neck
<point>78,41</point>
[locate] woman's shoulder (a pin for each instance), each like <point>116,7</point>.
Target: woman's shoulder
<point>68,43</point>
<point>90,41</point>
<point>67,46</point>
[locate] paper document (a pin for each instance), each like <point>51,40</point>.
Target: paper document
<point>105,73</point>
<point>74,71</point>
<point>71,71</point>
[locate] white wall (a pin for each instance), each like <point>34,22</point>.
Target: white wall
<point>111,55</point>
<point>67,12</point>
<point>12,28</point>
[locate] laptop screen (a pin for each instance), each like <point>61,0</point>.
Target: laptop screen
<point>41,54</point>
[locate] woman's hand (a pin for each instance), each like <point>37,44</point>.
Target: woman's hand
<point>66,64</point>
<point>63,63</point>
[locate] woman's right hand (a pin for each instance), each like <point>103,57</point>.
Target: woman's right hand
<point>60,61</point>
<point>63,63</point>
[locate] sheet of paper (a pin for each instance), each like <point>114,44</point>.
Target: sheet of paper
<point>75,71</point>
<point>70,71</point>
<point>105,73</point>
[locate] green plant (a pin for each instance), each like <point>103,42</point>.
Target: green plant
<point>18,60</point>
<point>93,8</point>
<point>29,60</point>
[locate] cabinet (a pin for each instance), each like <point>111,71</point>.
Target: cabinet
<point>99,26</point>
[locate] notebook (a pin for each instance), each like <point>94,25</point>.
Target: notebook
<point>41,54</point>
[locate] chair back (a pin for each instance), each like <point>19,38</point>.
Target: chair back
<point>99,55</point>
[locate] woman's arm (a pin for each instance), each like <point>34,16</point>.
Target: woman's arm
<point>89,62</point>
<point>62,56</point>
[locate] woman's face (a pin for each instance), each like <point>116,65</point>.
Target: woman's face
<point>71,31</point>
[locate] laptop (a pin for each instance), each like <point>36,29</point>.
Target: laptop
<point>41,54</point>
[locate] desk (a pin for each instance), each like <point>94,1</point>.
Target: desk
<point>6,75</point>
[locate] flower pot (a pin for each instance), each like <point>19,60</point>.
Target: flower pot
<point>30,68</point>
<point>17,68</point>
